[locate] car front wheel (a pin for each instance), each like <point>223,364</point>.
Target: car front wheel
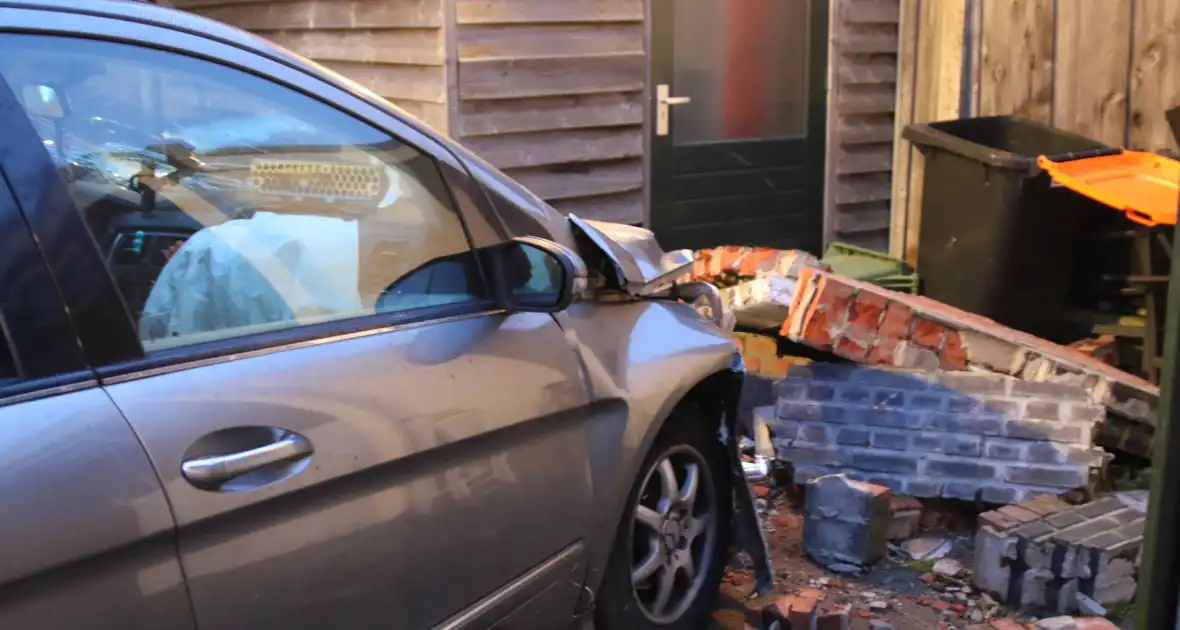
<point>670,548</point>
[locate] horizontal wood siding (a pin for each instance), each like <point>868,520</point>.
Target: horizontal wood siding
<point>551,91</point>
<point>395,48</point>
<point>864,51</point>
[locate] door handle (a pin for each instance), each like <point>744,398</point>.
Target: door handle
<point>664,100</point>
<point>218,469</point>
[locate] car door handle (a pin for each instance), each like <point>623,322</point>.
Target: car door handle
<point>217,469</point>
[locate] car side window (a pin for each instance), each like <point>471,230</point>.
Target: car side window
<point>226,204</point>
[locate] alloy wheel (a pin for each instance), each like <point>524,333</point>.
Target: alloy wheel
<point>674,534</point>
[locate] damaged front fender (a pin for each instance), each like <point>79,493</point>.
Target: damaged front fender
<point>748,526</point>
<point>633,264</point>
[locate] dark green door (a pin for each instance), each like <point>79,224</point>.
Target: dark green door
<point>739,101</point>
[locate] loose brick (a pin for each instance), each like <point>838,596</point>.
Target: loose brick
<point>1067,518</point>
<point>1100,507</point>
<point>1084,530</point>
<point>960,468</point>
<point>1047,476</point>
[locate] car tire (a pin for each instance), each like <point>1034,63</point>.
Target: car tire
<point>679,532</point>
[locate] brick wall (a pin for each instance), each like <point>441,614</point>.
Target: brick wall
<point>868,324</point>
<point>1042,553</point>
<point>961,435</point>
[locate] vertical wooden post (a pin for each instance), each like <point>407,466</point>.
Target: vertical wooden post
<point>936,32</point>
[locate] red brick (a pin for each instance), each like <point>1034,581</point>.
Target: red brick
<point>757,260</point>
<point>882,352</point>
<point>802,612</point>
<point>761,345</point>
<point>959,608</point>
<point>865,317</point>
<point>897,321</point>
<point>1006,624</point>
<point>927,333</point>
<point>776,367</point>
<point>827,314</point>
<point>851,350</point>
<point>952,356</point>
<point>753,364</point>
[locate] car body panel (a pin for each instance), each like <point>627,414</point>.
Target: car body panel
<point>429,488</point>
<point>87,536</point>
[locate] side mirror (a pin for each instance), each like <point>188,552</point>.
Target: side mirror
<point>42,100</point>
<point>532,274</point>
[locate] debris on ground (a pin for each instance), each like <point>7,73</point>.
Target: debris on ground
<point>927,467</point>
<point>927,548</point>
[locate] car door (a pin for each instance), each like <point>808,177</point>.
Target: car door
<point>87,539</point>
<point>349,432</point>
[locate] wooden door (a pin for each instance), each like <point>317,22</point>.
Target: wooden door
<point>738,122</point>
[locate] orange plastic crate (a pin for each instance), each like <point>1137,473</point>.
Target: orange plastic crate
<point>1144,186</point>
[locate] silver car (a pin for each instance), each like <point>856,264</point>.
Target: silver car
<point>275,355</point>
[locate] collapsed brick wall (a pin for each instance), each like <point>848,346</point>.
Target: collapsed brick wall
<point>963,435</point>
<point>867,324</point>
<point>1042,553</point>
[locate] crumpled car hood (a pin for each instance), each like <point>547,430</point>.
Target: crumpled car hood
<point>643,267</point>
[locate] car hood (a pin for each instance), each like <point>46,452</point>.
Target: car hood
<point>643,268</point>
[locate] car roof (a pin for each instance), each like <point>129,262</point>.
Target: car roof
<point>146,12</point>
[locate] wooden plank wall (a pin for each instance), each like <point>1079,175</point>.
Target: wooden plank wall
<point>552,93</point>
<point>394,47</point>
<point>1107,69</point>
<point>863,53</point>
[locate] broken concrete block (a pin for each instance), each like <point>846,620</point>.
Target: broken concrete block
<point>906,514</point>
<point>1046,554</point>
<point>845,521</point>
